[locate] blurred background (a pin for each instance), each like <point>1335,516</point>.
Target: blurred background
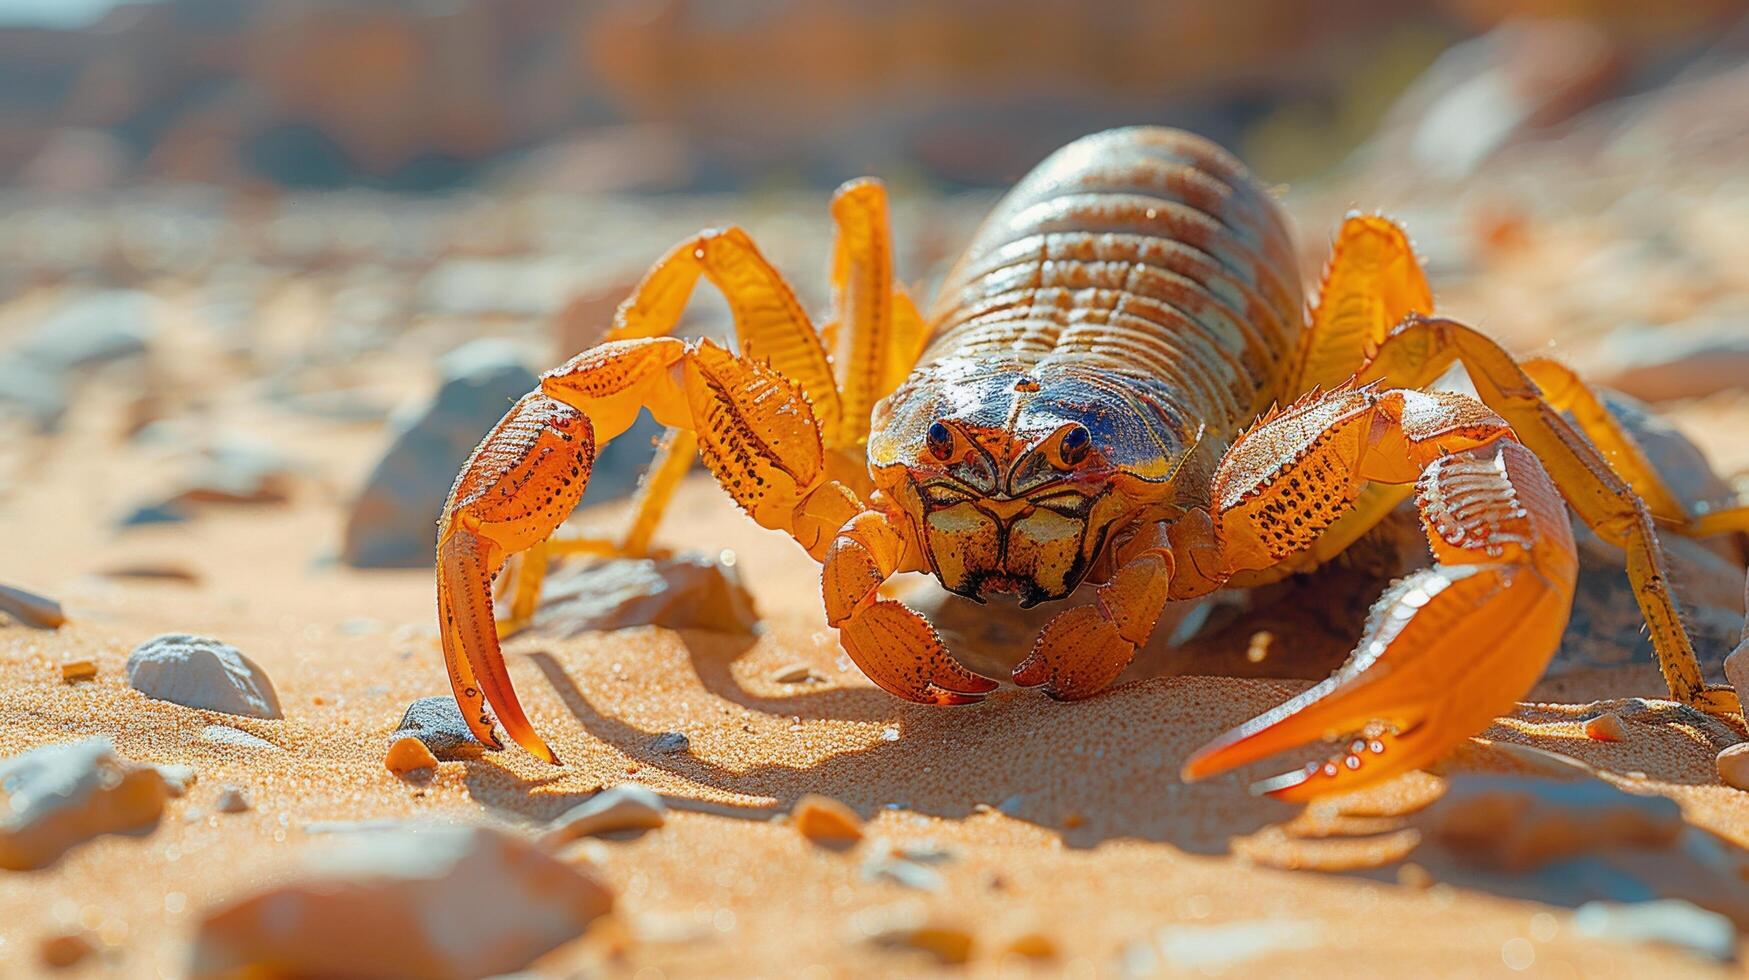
<point>268,251</point>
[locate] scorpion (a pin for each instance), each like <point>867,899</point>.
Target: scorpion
<point>1094,398</point>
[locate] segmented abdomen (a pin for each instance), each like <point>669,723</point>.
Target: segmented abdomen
<point>1146,252</point>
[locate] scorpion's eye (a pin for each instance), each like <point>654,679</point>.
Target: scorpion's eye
<point>940,441</point>
<point>1074,444</point>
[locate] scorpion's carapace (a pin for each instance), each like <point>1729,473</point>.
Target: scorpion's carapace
<point>1077,409</point>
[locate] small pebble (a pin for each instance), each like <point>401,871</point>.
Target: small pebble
<point>1606,727</point>
<point>1032,946</point>
<point>231,800</point>
<point>31,609</point>
<point>627,806</point>
<point>409,755</point>
<point>1412,875</point>
<point>73,671</point>
<point>1733,765</point>
<point>670,743</point>
<point>65,950</point>
<point>177,778</point>
<point>794,674</point>
<point>825,820</point>
<point>949,944</point>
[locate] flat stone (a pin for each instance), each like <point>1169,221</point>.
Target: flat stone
<point>59,796</point>
<point>1192,947</point>
<point>1521,823</point>
<point>1669,920</point>
<point>1733,765</point>
<point>427,901</point>
<point>407,755</point>
<point>687,591</point>
<point>231,799</point>
<point>199,672</point>
<point>438,722</point>
<point>31,609</point>
<point>625,807</point>
<point>670,743</point>
<point>392,521</point>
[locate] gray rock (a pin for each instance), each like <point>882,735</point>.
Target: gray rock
<point>1669,920</point>
<point>90,330</point>
<point>1676,361</point>
<point>392,522</point>
<point>59,796</point>
<point>426,901</point>
<point>231,799</point>
<point>198,672</point>
<point>686,591</point>
<point>1521,822</point>
<point>670,743</point>
<point>438,723</point>
<point>31,609</point>
<point>624,807</point>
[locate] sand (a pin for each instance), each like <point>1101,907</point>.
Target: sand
<point>1064,821</point>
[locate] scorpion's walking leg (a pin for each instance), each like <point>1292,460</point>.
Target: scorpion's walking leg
<point>1445,650</point>
<point>1421,348</point>
<point>891,644</point>
<point>1081,651</point>
<point>1371,282</point>
<point>770,326</point>
<point>1566,392</point>
<point>754,429</point>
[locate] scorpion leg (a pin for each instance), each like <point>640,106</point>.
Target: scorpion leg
<point>1081,651</point>
<point>1371,282</point>
<point>1445,650</point>
<point>891,644</point>
<point>1421,348</point>
<point>876,333</point>
<point>1566,392</point>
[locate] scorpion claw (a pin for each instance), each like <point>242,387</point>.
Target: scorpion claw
<point>1078,654</point>
<point>903,655</point>
<point>1446,653</point>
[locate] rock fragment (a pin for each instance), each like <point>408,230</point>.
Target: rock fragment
<point>947,942</point>
<point>1606,727</point>
<point>31,609</point>
<point>1032,946</point>
<point>438,901</point>
<point>407,755</point>
<point>391,520</point>
<point>670,743</point>
<point>1733,765</point>
<point>199,672</point>
<point>826,821</point>
<point>65,949</point>
<point>59,796</point>
<point>1668,920</point>
<point>687,591</point>
<point>1518,823</point>
<point>231,799</point>
<point>438,722</point>
<point>625,807</point>
<point>73,671</point>
<point>794,674</point>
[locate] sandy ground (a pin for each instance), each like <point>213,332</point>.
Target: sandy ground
<point>1098,844</point>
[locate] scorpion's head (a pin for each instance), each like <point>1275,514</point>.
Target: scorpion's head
<point>1015,479</point>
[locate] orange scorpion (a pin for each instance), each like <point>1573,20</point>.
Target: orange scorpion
<point>1090,401</point>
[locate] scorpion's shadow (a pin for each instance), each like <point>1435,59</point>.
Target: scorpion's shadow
<point>1092,771</point>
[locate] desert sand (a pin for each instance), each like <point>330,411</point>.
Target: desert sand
<point>1053,839</point>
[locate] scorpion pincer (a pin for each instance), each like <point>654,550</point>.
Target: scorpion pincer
<point>1090,401</point>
